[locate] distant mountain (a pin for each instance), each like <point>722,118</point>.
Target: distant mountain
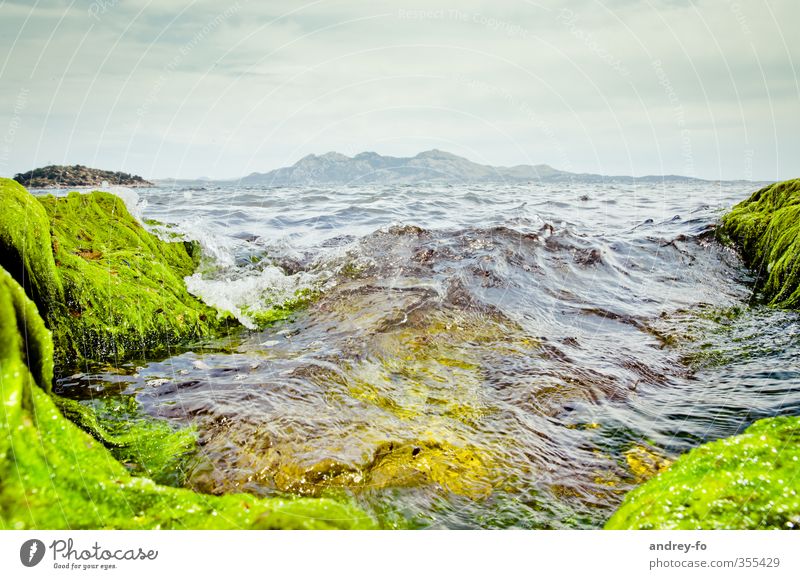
<point>433,166</point>
<point>54,176</point>
<point>372,168</point>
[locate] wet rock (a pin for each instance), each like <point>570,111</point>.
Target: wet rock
<point>59,477</point>
<point>766,229</point>
<point>742,482</point>
<point>106,287</point>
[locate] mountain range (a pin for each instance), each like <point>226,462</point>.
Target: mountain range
<point>432,166</point>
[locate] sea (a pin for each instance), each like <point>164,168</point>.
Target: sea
<point>460,356</point>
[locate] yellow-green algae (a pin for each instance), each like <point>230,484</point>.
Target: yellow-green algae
<point>53,475</point>
<point>748,481</point>
<point>766,228</point>
<point>644,462</point>
<point>145,445</point>
<point>420,387</point>
<point>25,245</point>
<point>123,286</point>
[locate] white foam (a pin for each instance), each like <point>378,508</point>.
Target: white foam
<point>131,199</point>
<point>244,295</point>
<point>221,249</point>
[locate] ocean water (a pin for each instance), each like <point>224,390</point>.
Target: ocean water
<point>487,356</point>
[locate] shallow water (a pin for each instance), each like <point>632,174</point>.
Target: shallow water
<point>479,356</point>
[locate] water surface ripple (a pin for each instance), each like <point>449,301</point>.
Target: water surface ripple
<point>479,356</point>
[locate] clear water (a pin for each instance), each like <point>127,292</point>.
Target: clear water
<point>480,356</point>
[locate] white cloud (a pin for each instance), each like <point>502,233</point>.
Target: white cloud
<point>170,88</point>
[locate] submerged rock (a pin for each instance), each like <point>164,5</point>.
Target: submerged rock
<point>105,286</point>
<point>55,476</point>
<point>747,481</point>
<point>766,227</point>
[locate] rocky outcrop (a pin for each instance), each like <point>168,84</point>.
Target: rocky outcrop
<point>53,475</point>
<point>747,481</point>
<point>106,287</point>
<point>766,228</point>
<point>59,176</point>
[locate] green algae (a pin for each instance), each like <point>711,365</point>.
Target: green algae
<point>281,311</point>
<point>766,228</point>
<point>145,445</point>
<point>105,286</point>
<point>748,481</point>
<point>53,475</point>
<point>25,249</point>
<point>123,286</point>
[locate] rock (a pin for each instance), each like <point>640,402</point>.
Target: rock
<point>55,476</point>
<point>106,287</point>
<point>57,176</point>
<point>766,228</point>
<point>747,481</point>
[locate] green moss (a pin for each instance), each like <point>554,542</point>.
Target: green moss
<point>146,446</point>
<point>25,250</point>
<point>106,287</point>
<point>766,227</point>
<point>282,311</point>
<point>53,475</point>
<point>749,481</point>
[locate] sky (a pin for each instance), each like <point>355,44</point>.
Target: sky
<point>162,88</point>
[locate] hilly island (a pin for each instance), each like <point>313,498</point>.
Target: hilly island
<point>61,176</point>
<point>433,166</point>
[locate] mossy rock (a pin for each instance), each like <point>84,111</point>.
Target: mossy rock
<point>748,481</point>
<point>55,476</point>
<point>766,227</point>
<point>25,250</point>
<point>106,287</point>
<point>147,446</point>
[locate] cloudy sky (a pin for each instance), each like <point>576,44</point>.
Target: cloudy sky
<point>162,88</point>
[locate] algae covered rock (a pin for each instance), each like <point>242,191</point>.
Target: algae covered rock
<point>55,476</point>
<point>25,250</point>
<point>105,286</point>
<point>748,481</point>
<point>766,227</point>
